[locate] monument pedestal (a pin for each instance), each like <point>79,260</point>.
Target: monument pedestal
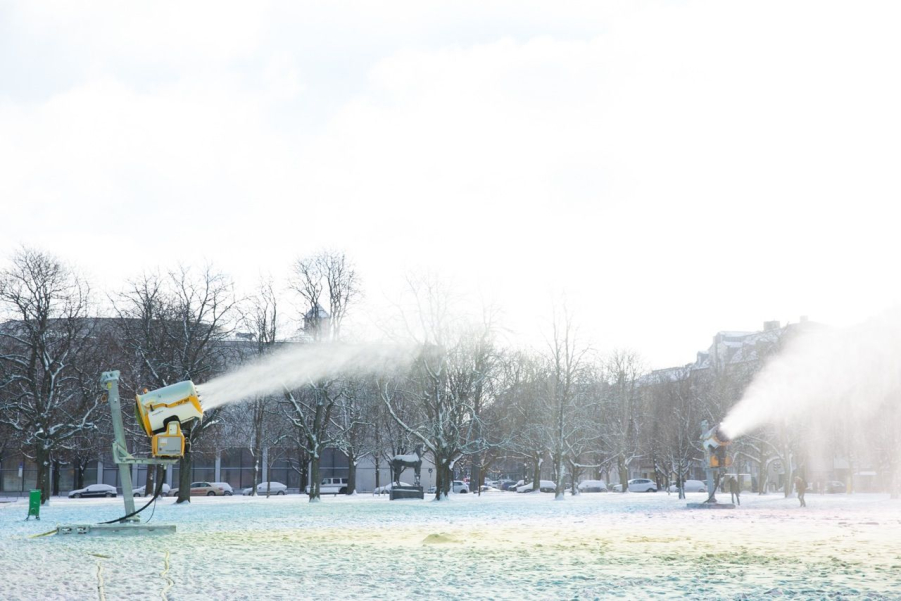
<point>406,492</point>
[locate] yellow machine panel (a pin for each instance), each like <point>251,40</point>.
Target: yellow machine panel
<point>169,444</point>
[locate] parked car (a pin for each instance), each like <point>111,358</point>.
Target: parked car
<point>460,487</point>
<point>226,487</point>
<point>638,485</point>
<point>331,486</point>
<point>384,490</point>
<point>274,488</point>
<point>543,486</point>
<point>511,485</point>
<point>139,492</point>
<point>94,490</point>
<point>487,488</point>
<point>690,486</point>
<point>642,485</point>
<point>592,486</point>
<point>835,486</point>
<point>205,489</point>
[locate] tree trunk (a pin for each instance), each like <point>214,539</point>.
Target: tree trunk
<point>257,472</point>
<point>151,480</point>
<point>42,458</point>
<point>440,478</point>
<point>680,483</point>
<point>536,476</point>
<point>575,473</point>
<point>351,475</point>
<point>184,474</point>
<point>378,475</point>
<point>788,479</point>
<point>315,480</point>
<point>475,476</point>
<point>303,467</point>
<point>623,474</point>
<point>762,473</point>
<point>54,481</point>
<point>559,489</point>
<point>443,477</point>
<point>78,467</point>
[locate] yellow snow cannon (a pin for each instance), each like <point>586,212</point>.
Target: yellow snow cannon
<point>162,413</point>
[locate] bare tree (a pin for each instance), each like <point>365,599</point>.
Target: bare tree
<point>176,326</point>
<point>257,414</point>
<point>444,382</point>
<point>324,277</point>
<point>328,283</point>
<point>355,419</point>
<point>621,411</point>
<point>563,402</point>
<point>46,395</point>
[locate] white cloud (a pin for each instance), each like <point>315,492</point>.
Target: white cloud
<point>679,168</point>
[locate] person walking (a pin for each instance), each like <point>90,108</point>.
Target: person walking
<point>801,487</point>
<point>735,490</point>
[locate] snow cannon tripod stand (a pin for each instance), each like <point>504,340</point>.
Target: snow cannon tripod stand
<point>161,413</point>
<point>714,441</point>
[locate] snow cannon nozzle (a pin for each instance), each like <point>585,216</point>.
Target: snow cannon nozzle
<point>715,437</point>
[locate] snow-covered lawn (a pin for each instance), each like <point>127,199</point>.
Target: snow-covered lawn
<point>499,546</point>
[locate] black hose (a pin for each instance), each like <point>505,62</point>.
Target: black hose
<point>159,490</point>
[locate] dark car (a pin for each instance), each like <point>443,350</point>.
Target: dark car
<point>835,486</point>
<point>94,490</point>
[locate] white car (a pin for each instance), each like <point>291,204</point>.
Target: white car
<point>592,486</point>
<point>331,486</point>
<point>543,486</point>
<point>384,490</point>
<point>227,489</point>
<point>690,486</point>
<point>206,489</point>
<point>460,487</point>
<point>274,488</point>
<point>94,490</point>
<point>139,492</point>
<point>638,485</point>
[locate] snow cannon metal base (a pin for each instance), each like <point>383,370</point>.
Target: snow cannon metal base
<point>126,529</point>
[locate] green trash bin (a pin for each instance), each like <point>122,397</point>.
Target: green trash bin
<point>34,505</point>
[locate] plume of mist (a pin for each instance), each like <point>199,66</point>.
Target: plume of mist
<point>824,375</point>
<point>301,364</point>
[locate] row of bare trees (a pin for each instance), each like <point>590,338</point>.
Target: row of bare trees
<point>469,400</point>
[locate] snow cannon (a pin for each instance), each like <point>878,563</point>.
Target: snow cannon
<point>715,442</point>
<point>164,411</point>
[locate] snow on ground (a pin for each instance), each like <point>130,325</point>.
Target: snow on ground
<point>499,546</point>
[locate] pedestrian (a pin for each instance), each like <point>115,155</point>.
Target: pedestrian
<point>735,490</point>
<point>801,487</point>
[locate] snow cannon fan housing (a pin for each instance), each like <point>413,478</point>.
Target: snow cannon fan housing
<point>715,442</point>
<point>162,413</point>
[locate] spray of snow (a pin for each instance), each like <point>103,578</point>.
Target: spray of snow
<point>302,364</point>
<point>825,373</point>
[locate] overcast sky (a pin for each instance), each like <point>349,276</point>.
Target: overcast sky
<point>673,168</point>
